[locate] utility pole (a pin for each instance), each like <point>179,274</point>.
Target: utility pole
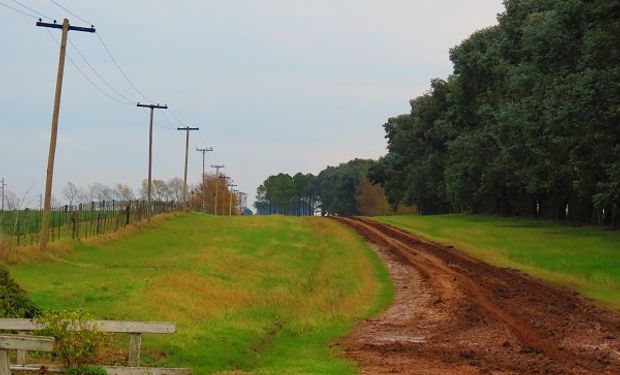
<point>153,107</point>
<point>217,185</point>
<point>232,191</point>
<point>65,27</point>
<point>2,186</point>
<point>204,186</point>
<point>186,129</point>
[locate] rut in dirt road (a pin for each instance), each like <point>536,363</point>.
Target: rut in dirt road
<point>453,314</point>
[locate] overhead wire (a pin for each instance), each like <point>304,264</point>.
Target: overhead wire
<point>86,76</point>
<point>70,12</point>
<point>32,10</point>
<point>129,101</point>
<point>18,11</point>
<point>105,46</point>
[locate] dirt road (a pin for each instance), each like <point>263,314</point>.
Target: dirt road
<point>456,315</point>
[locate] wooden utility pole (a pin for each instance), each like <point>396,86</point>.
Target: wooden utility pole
<point>186,129</point>
<point>2,186</point>
<point>217,185</point>
<point>149,208</point>
<point>232,191</point>
<point>204,186</point>
<point>65,27</point>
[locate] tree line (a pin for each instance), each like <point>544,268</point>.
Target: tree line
<point>340,190</point>
<point>527,125</point>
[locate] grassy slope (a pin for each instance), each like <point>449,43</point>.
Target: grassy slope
<point>584,258</point>
<point>264,294</point>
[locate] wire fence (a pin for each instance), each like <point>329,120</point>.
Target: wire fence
<point>23,227</point>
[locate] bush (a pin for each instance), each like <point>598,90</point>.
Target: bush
<point>77,339</point>
<point>14,302</point>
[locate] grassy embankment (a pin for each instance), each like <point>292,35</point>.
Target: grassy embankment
<point>262,294</point>
<point>586,259</point>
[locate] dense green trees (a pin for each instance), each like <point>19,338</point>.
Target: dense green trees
<point>528,124</point>
<point>333,191</point>
<point>286,195</point>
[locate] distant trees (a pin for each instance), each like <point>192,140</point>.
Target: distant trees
<point>342,190</point>
<point>287,195</point>
<point>162,190</point>
<point>203,196</point>
<point>527,125</point>
<point>96,192</point>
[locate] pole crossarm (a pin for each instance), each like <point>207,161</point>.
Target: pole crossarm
<point>55,25</point>
<point>152,106</point>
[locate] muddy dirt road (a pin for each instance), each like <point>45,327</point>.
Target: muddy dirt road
<point>456,315</point>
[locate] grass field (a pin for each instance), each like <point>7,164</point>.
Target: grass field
<point>586,259</point>
<point>249,294</point>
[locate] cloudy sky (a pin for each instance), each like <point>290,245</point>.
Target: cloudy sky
<point>274,85</point>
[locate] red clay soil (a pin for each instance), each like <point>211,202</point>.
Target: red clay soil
<point>453,314</point>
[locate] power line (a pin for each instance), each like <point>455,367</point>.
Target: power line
<point>170,125</point>
<point>105,46</point>
<point>32,10</point>
<point>87,78</point>
<point>70,12</point>
<point>175,117</point>
<point>18,11</point>
<point>129,101</point>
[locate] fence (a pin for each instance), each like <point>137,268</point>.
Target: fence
<point>23,227</point>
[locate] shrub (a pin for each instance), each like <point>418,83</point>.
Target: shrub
<point>77,339</point>
<point>14,302</point>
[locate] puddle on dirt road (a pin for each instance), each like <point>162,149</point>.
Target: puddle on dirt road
<point>401,339</point>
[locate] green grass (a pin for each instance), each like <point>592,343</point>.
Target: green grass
<point>586,259</point>
<point>249,294</point>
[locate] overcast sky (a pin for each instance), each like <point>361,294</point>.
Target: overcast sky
<point>274,85</point>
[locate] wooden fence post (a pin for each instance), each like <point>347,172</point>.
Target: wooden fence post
<point>5,368</point>
<point>21,354</point>
<point>134,349</point>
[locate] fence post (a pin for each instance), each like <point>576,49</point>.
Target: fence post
<point>17,227</point>
<point>21,354</point>
<point>73,226</point>
<point>134,349</point>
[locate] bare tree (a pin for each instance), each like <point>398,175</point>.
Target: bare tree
<point>175,187</point>
<point>161,191</point>
<point>19,202</point>
<point>123,192</point>
<point>71,193</point>
<point>100,192</point>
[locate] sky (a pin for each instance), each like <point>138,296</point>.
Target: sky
<point>274,85</point>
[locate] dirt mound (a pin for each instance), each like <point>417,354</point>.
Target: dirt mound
<point>456,315</point>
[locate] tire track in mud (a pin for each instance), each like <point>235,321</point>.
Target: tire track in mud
<point>453,314</point>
